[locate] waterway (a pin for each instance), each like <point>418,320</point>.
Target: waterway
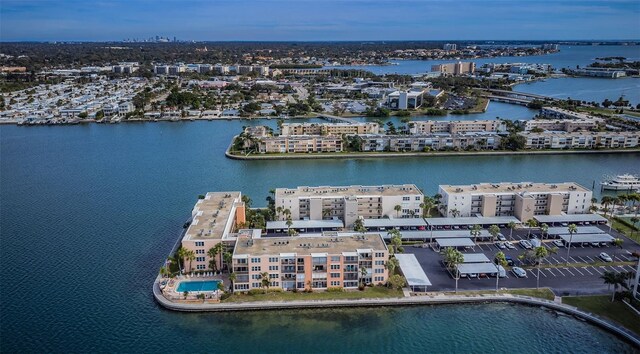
<point>88,213</point>
<point>589,89</point>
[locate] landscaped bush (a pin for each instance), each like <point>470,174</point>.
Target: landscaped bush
<point>337,289</point>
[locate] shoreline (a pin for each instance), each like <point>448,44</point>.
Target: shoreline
<point>367,155</point>
<point>406,301</point>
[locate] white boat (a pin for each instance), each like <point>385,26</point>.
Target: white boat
<point>621,183</point>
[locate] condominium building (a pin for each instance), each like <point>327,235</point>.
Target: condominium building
<point>213,218</point>
<point>434,141</point>
<point>522,200</point>
<point>559,113</point>
<point>329,128</point>
<point>455,127</point>
<point>459,68</point>
<point>348,203</point>
<point>579,140</point>
<point>300,144</point>
<point>567,125</point>
<point>310,263</point>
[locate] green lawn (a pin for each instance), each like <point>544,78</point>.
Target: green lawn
<point>601,305</point>
<point>626,230</point>
<point>543,293</point>
<point>368,293</point>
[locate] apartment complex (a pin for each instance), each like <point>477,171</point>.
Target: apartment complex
<point>310,263</point>
<point>459,68</point>
<point>455,127</point>
<point>348,203</point>
<point>559,113</point>
<point>581,140</point>
<point>213,219</point>
<point>430,142</point>
<point>522,200</point>
<point>329,128</point>
<point>567,125</point>
<point>300,144</point>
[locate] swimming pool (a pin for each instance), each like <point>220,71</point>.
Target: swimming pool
<point>202,285</point>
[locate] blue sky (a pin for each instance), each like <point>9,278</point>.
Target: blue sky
<point>308,20</point>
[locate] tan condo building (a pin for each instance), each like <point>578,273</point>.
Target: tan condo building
<point>347,203</point>
<point>329,129</point>
<point>522,200</point>
<point>310,263</point>
<point>459,68</point>
<point>456,127</point>
<point>300,144</point>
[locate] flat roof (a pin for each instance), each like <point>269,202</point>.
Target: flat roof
<point>587,238</point>
<point>455,242</point>
<point>412,270</point>
<point>511,187</point>
<point>581,230</point>
<point>428,234</point>
<point>353,190</point>
<point>394,222</point>
<point>569,218</point>
<point>473,220</point>
<point>307,245</point>
<point>306,224</point>
<point>211,215</point>
<point>475,258</point>
<point>477,268</point>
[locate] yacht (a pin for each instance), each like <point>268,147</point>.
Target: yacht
<point>621,182</point>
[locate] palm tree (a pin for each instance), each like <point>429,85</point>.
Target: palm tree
<point>326,212</point>
<point>606,200</point>
<point>453,259</point>
<point>358,226</point>
<point>531,223</point>
<point>572,230</point>
<point>540,253</point>
<point>363,274</point>
<point>279,211</point>
<point>455,212</point>
<point>501,260</point>
<point>494,230</point>
<point>289,223</point>
<point>475,232</point>
<point>392,264</point>
<point>228,258</point>
<point>427,205</point>
<point>397,208</point>
<point>232,279</point>
<point>212,253</point>
<point>190,255</point>
<point>511,225</point>
<point>612,278</point>
<point>182,253</point>
<point>396,240</point>
<point>265,281</point>
<point>544,228</point>
<point>163,271</point>
<point>219,250</point>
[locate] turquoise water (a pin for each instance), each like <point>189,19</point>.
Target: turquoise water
<point>88,214</point>
<point>198,285</point>
<point>586,89</point>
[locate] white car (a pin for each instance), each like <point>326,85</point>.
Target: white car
<point>519,272</point>
<point>605,257</point>
<point>510,245</point>
<point>558,243</point>
<point>526,244</point>
<point>501,245</point>
<point>501,237</point>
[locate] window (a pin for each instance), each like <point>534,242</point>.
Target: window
<point>379,270</point>
<point>273,267</point>
<point>406,198</point>
<point>335,266</point>
<point>199,251</point>
<point>256,285</point>
<point>273,259</point>
<point>379,278</point>
<point>335,275</point>
<point>256,276</point>
<point>417,198</point>
<point>273,276</point>
<point>199,259</point>
<point>335,258</point>
<point>335,283</point>
<point>242,286</point>
<point>379,263</point>
<point>255,260</point>
<point>201,266</point>
<point>379,254</point>
<point>255,268</point>
<point>199,244</point>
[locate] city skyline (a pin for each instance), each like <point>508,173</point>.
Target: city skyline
<point>286,20</point>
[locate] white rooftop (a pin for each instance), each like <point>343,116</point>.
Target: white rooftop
<point>412,270</point>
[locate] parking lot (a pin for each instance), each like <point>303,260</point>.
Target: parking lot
<point>582,276</point>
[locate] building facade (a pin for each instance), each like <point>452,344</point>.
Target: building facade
<point>522,200</point>
<point>300,144</point>
<point>455,127</point>
<point>581,140</point>
<point>459,68</point>
<point>329,128</point>
<point>310,263</point>
<point>348,203</point>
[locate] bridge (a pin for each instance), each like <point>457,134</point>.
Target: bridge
<point>511,100</point>
<point>520,95</point>
<point>334,119</point>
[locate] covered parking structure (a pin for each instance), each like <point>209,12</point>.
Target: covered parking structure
<point>477,268</point>
<point>578,219</point>
<point>453,242</point>
<point>401,224</point>
<point>466,222</point>
<point>305,226</point>
<point>586,238</point>
<point>430,235</point>
<point>417,280</point>
<point>580,230</point>
<point>475,258</point>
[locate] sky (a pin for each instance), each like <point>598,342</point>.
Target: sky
<point>318,20</point>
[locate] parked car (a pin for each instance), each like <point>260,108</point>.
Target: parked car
<point>526,244</point>
<point>501,237</point>
<point>519,272</point>
<point>595,244</point>
<point>605,257</point>
<point>501,245</point>
<point>510,245</point>
<point>473,275</point>
<point>558,243</point>
<point>509,261</point>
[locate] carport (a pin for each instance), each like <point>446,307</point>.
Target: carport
<point>475,258</point>
<point>402,224</point>
<point>453,242</point>
<point>586,238</point>
<point>580,230</point>
<point>306,226</point>
<point>470,221</point>
<point>413,272</point>
<point>477,268</point>
<point>433,234</point>
<point>554,220</point>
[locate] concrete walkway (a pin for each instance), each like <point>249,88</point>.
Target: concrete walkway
<point>404,301</point>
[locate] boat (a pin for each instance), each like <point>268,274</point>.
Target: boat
<point>621,183</point>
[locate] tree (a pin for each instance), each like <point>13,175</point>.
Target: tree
<point>511,225</point>
<point>572,228</point>
<point>163,271</point>
<point>212,253</point>
<point>455,212</point>
<point>618,242</point>
<point>363,275</point>
<point>606,201</point>
<point>612,278</point>
<point>289,224</point>
<point>228,257</point>
<point>392,264</point>
<point>397,208</point>
<point>358,225</point>
<point>182,253</point>
<point>544,228</point>
<point>475,231</point>
<point>500,260</point>
<point>396,281</point>
<point>531,223</point>
<point>427,205</point>
<point>265,281</point>
<point>219,250</point>
<point>232,279</point>
<point>540,253</point>
<point>453,258</point>
<point>494,230</point>
<point>396,240</point>
<point>190,255</point>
